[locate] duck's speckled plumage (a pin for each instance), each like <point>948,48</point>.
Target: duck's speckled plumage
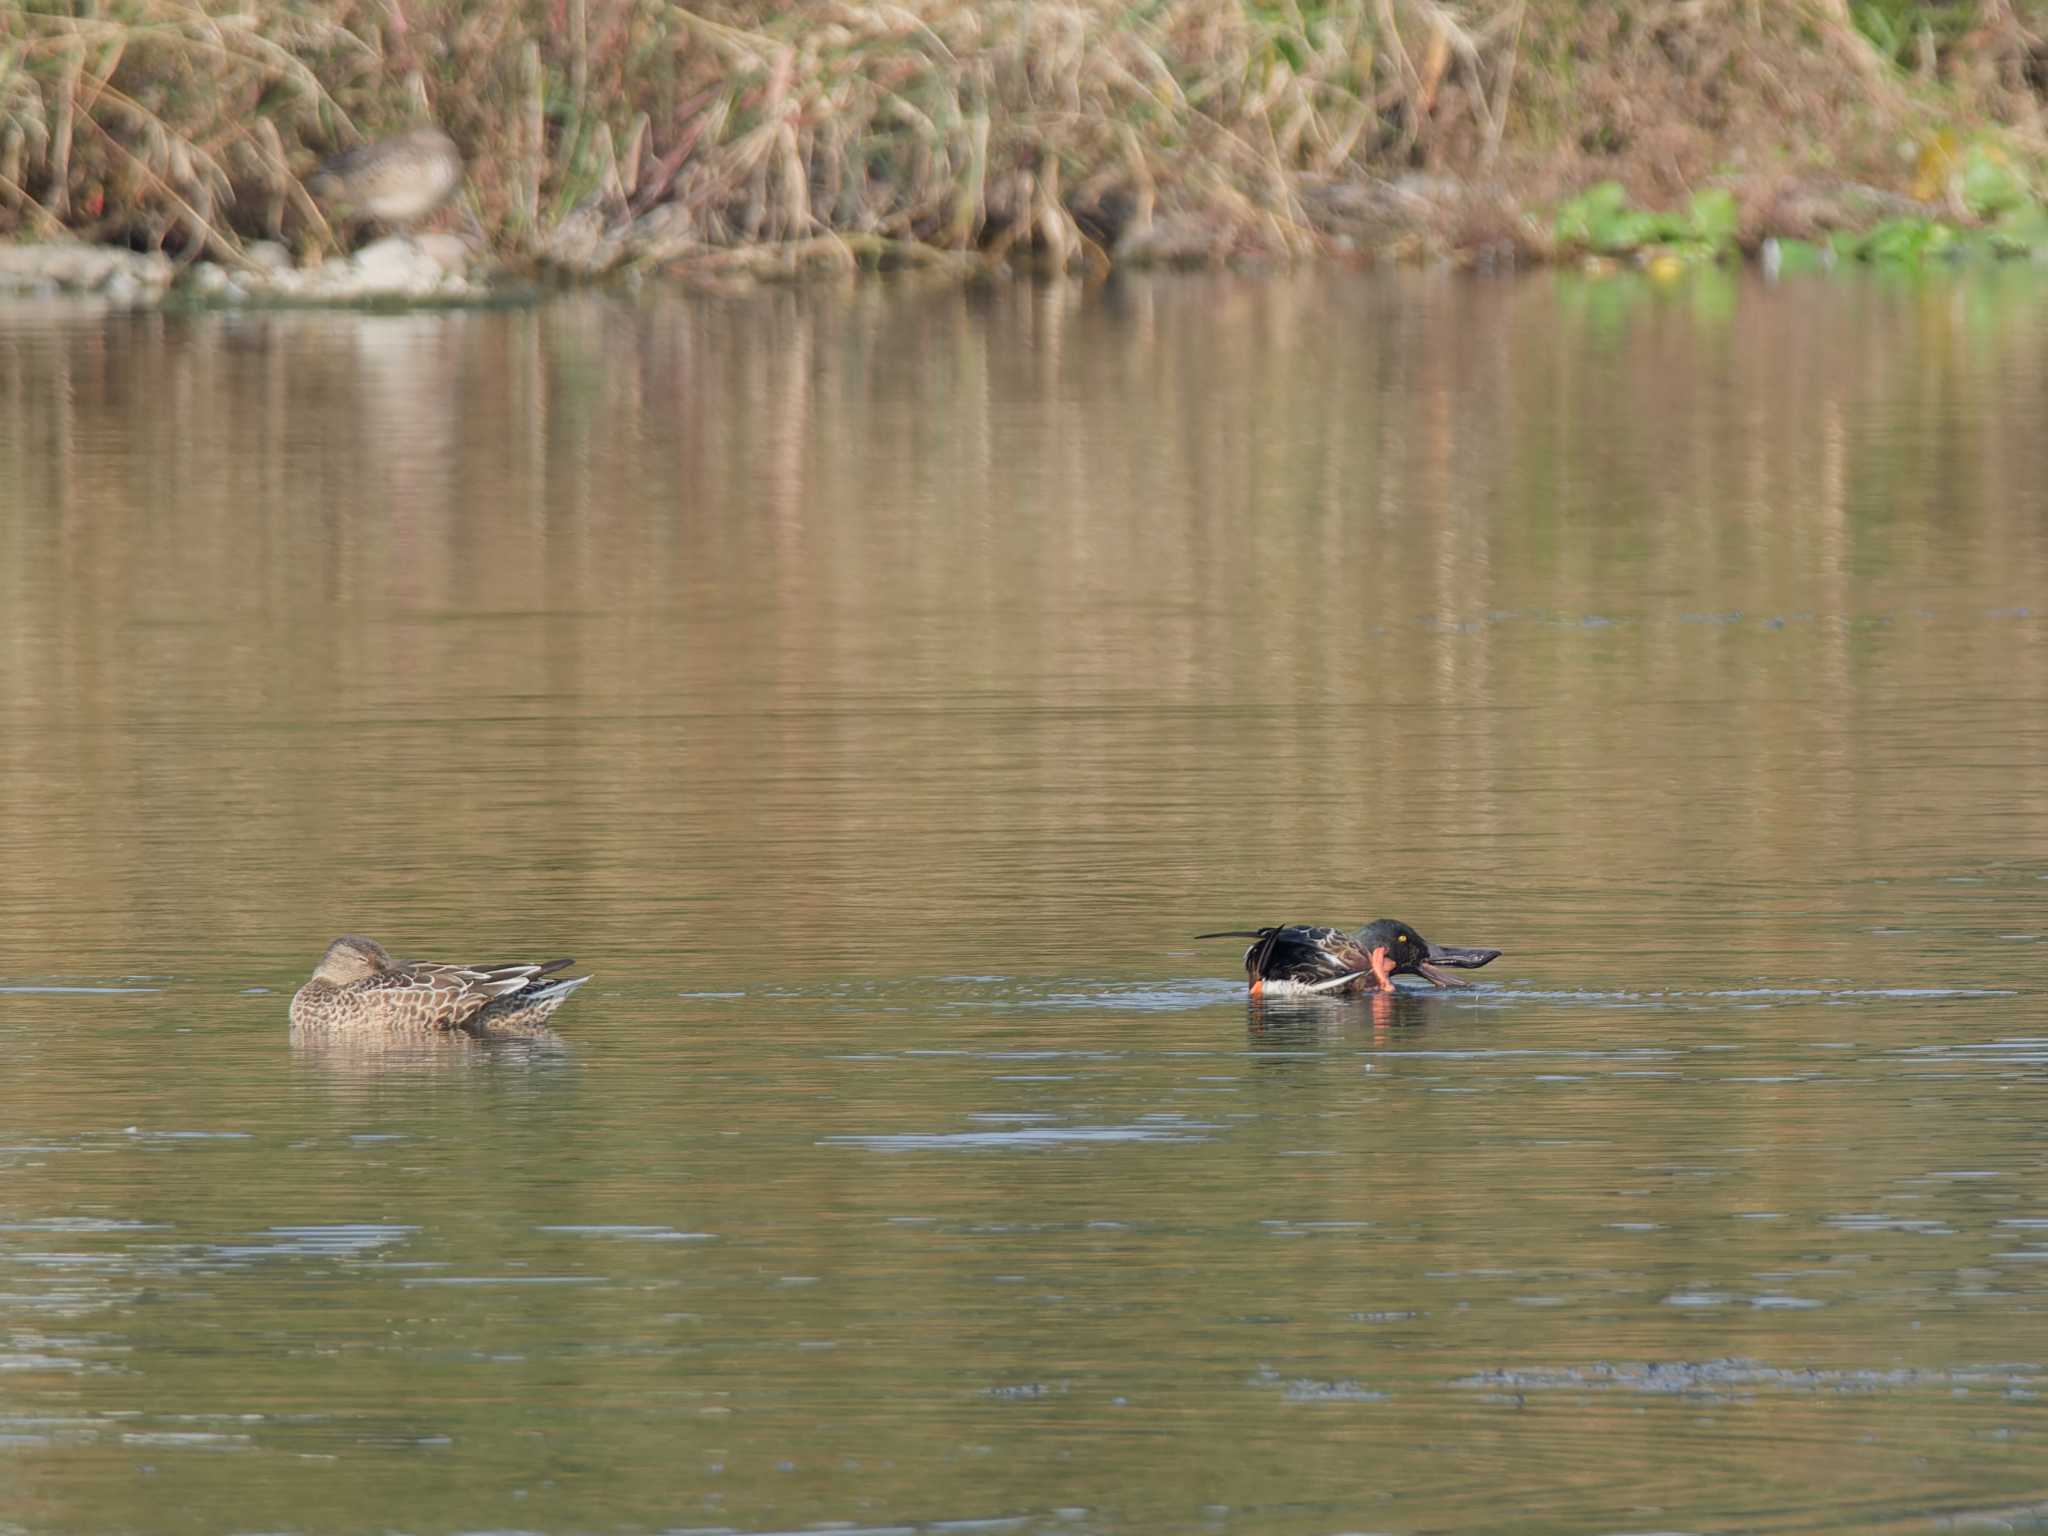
<point>398,180</point>
<point>358,986</point>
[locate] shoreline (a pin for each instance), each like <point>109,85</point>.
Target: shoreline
<point>1783,228</point>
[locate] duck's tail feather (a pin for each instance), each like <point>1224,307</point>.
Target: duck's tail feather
<point>559,988</point>
<point>1260,952</point>
<point>526,968</point>
<point>520,1012</point>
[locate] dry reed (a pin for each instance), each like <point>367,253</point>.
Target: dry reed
<point>600,130</point>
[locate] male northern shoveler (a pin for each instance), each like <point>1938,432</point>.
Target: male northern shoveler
<point>357,985</point>
<point>1298,959</point>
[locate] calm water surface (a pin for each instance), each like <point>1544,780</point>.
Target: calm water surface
<point>875,689</point>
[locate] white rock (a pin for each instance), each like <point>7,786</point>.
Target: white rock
<point>396,268</point>
<point>298,280</point>
<point>76,266</point>
<point>579,244</point>
<point>450,253</point>
<point>153,269</point>
<point>396,265</point>
<point>269,255</point>
<point>82,268</point>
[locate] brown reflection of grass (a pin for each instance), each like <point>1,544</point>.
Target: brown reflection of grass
<point>905,629</point>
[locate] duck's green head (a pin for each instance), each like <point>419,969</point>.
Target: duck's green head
<point>1411,954</point>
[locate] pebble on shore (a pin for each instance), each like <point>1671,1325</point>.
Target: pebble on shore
<point>436,267</point>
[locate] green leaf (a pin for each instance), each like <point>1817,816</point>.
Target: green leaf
<point>1713,216</point>
<point>1901,242</point>
<point>1874,24</point>
<point>1595,208</point>
<point>1627,231</point>
<point>2022,232</point>
<point>1990,185</point>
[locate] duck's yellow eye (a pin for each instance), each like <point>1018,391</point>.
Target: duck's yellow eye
<point>1404,938</point>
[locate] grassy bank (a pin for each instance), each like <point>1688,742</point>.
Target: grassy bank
<point>1079,132</point>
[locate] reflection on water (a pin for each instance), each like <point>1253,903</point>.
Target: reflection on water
<point>345,1051</point>
<point>876,689</point>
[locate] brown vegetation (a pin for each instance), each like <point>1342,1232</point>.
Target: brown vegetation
<point>603,130</point>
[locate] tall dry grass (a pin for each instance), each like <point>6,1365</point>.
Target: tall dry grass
<point>595,127</point>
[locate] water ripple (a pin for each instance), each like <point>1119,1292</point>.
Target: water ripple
<point>1024,1137</point>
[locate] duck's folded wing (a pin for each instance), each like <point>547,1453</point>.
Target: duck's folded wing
<point>534,972</point>
<point>1305,953</point>
<point>455,994</point>
<point>1300,952</point>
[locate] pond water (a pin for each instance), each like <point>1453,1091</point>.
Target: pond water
<point>875,689</point>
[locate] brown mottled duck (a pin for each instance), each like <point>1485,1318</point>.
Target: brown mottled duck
<point>396,181</point>
<point>358,986</point>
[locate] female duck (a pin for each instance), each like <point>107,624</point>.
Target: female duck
<point>358,986</point>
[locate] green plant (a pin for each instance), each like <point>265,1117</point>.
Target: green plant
<point>1601,219</point>
<point>1899,29</point>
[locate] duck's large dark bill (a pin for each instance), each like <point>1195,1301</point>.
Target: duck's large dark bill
<point>1451,954</point>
